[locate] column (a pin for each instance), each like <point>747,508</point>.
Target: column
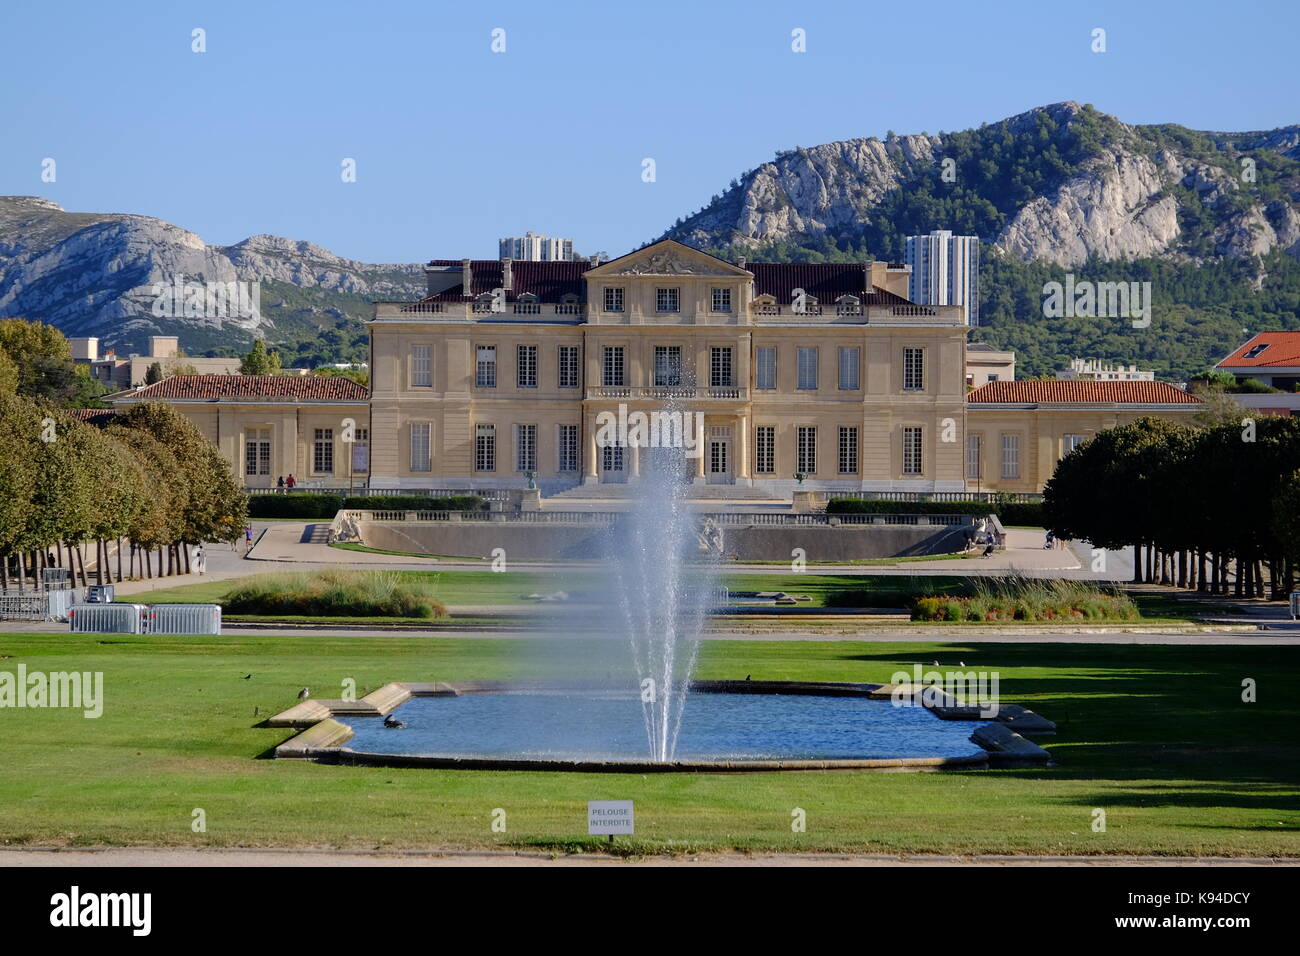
<point>742,451</point>
<point>703,438</point>
<point>589,476</point>
<point>634,464</point>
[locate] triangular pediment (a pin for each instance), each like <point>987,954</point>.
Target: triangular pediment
<point>667,257</point>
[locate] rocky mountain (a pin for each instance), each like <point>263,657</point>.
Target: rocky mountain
<point>1061,183</point>
<point>97,274</point>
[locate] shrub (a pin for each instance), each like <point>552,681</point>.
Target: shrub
<point>310,505</point>
<point>1009,513</point>
<point>335,593</point>
<point>1026,599</point>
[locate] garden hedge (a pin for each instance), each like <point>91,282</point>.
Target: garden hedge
<point>1023,513</point>
<point>307,505</point>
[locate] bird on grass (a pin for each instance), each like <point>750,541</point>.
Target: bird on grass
<point>934,663</point>
<point>304,693</point>
<point>746,677</point>
<point>392,723</point>
<point>247,676</point>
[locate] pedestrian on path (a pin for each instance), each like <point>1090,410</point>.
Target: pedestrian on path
<point>289,482</point>
<point>279,484</point>
<point>200,560</point>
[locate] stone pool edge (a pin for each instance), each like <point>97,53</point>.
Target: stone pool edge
<point>323,736</point>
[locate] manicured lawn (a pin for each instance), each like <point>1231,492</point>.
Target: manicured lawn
<point>1156,736</point>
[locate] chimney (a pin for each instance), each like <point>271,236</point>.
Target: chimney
<point>507,274</point>
<point>740,262</point>
<point>466,278</point>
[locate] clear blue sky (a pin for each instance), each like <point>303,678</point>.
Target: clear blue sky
<point>456,145</point>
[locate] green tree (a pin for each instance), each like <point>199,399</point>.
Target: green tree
<point>154,375</point>
<point>8,374</point>
<point>259,361</point>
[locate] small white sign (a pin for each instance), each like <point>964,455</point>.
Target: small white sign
<point>609,816</point>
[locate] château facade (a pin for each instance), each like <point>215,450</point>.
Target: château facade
<point>825,371</point>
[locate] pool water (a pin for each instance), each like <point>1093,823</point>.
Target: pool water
<point>715,726</point>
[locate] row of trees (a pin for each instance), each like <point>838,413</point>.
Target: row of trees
<point>1214,509</point>
<point>150,482</point>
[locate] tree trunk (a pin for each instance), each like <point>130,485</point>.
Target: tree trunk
<point>119,560</point>
<point>1137,564</point>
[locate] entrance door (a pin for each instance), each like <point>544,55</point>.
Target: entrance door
<point>719,463</point>
<point>613,464</point>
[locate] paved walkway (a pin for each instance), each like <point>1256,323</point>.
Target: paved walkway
<point>150,856</point>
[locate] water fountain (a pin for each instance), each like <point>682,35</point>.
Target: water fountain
<point>662,615</point>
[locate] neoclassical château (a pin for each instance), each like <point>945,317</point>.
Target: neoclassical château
<point>821,371</point>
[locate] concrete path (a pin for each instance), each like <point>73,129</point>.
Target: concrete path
<point>150,856</point>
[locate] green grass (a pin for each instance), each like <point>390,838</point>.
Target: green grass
<point>485,588</point>
<point>449,587</point>
<point>1157,736</point>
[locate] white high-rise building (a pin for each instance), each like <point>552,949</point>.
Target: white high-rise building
<point>534,247</point>
<point>945,271</point>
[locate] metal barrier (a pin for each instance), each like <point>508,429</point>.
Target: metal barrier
<point>107,618</point>
<point>16,605</point>
<point>184,619</point>
<point>100,594</point>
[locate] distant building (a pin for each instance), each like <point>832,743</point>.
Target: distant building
<point>945,271</point>
<point>1095,370</point>
<point>986,364</point>
<point>534,247</point>
<point>1272,359</point>
<point>125,372</point>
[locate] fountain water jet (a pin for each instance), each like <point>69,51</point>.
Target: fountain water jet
<point>663,594</point>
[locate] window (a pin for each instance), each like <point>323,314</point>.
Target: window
<point>257,451</point>
<point>1070,442</point>
<point>974,456</point>
<point>422,366</point>
<point>322,457</point>
<point>1255,351</point>
<point>765,449</point>
<point>912,461</point>
<point>668,365</point>
<point>485,369</point>
<point>526,366</point>
<point>807,368</point>
<point>525,448</point>
<point>568,445</point>
<point>613,299</point>
<point>612,457</point>
<point>667,300</point>
<point>612,368</point>
<point>361,451</point>
<point>848,450</point>
<point>568,371</point>
<point>720,373</point>
<point>485,448</point>
<point>421,460</point>
<point>1010,456</point>
<point>721,300</point>
<point>913,369</point>
<point>806,447</point>
<point>849,369</point>
<point>765,370</point>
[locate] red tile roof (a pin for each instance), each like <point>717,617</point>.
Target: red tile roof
<point>1074,390</point>
<point>1283,350</point>
<point>92,416</point>
<point>549,281</point>
<point>271,388</point>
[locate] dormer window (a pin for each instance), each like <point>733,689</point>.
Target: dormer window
<point>569,305</point>
<point>848,305</point>
<point>527,304</point>
<point>765,304</point>
<point>1255,351</point>
<point>483,302</point>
